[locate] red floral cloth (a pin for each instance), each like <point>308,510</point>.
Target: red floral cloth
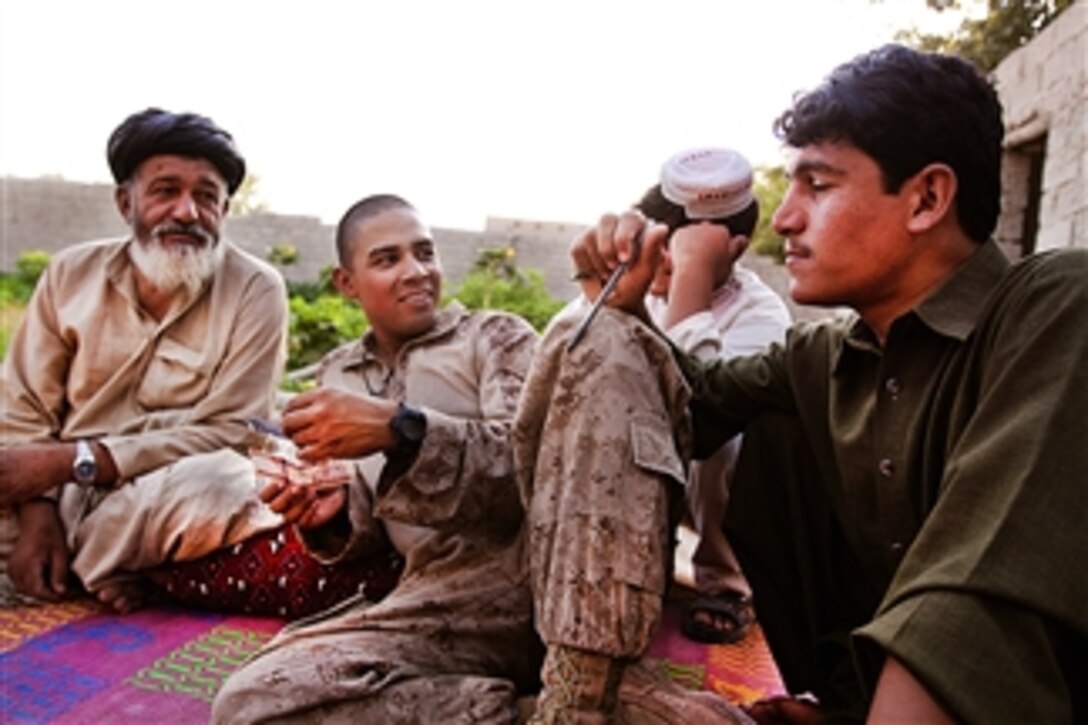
<point>272,574</point>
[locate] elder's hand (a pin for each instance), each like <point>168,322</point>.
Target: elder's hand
<point>38,566</point>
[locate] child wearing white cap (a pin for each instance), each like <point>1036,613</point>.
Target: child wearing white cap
<point>711,306</point>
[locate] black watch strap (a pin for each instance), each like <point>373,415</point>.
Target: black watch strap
<point>409,426</point>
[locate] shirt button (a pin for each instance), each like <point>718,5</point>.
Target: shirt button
<point>893,387</point>
<point>886,467</point>
<point>896,547</point>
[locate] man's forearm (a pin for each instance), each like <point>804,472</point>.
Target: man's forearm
<point>900,697</point>
<point>31,470</point>
<point>691,292</point>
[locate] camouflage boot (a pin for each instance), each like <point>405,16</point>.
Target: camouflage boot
<point>579,688</point>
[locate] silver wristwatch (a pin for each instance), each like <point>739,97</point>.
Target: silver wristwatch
<point>84,467</point>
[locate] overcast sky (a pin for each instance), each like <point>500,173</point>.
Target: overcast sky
<point>552,110</point>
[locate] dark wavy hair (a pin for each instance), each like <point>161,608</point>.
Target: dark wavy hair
<point>906,109</point>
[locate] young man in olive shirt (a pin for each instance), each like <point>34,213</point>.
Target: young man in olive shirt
<point>909,502</point>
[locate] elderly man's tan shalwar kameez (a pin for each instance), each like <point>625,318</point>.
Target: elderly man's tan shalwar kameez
<point>454,642</point>
<point>168,399</point>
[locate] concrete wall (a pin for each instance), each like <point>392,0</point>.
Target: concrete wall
<point>1043,86</point>
<point>1044,89</point>
<point>50,214</point>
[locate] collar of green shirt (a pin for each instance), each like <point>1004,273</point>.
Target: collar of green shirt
<point>954,308</point>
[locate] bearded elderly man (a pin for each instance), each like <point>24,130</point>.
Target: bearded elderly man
<point>133,373</point>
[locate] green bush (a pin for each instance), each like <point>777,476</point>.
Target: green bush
<point>12,291</point>
<point>15,290</point>
<point>283,254</point>
<point>321,319</point>
<point>770,187</point>
<point>312,289</point>
<point>319,326</point>
<point>10,314</point>
<point>524,294</point>
<point>16,287</point>
<point>30,266</point>
<point>5,337</point>
<point>496,283</point>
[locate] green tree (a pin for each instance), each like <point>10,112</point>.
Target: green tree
<point>30,265</point>
<point>310,290</point>
<point>283,254</point>
<point>321,319</point>
<point>318,326</point>
<point>247,199</point>
<point>9,320</point>
<point>496,283</point>
<point>16,287</point>
<point>769,187</point>
<point>987,41</point>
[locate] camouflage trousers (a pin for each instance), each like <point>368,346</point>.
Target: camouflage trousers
<point>453,643</point>
<point>601,439</point>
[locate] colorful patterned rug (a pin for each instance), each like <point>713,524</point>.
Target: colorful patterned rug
<point>73,663</point>
<point>742,672</point>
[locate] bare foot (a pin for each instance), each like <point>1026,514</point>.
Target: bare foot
<point>125,596</point>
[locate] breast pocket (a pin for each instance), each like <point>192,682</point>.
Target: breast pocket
<point>175,377</point>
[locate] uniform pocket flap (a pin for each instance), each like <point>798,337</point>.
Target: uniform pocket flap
<point>654,449</point>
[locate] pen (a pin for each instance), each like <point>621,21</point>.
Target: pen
<point>636,247</point>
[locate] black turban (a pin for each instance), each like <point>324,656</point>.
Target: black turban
<point>154,131</point>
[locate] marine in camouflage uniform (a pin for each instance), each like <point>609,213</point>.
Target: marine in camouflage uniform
<point>453,642</point>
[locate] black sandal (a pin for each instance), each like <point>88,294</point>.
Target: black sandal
<point>732,609</point>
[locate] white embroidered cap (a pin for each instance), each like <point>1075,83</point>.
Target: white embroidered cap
<point>710,183</point>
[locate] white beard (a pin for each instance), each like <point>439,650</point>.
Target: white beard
<point>176,267</point>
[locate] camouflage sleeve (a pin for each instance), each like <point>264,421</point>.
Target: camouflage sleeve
<point>354,532</point>
<point>463,475</point>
